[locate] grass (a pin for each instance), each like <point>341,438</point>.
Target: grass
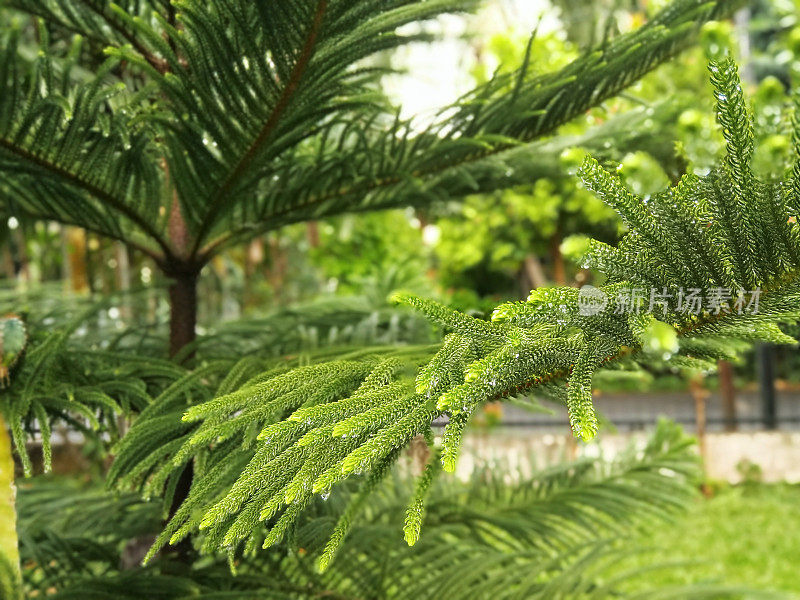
<point>746,535</point>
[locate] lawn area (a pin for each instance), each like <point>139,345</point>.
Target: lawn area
<point>744,535</point>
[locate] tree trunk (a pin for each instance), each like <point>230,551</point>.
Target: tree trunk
<point>183,312</point>
<point>10,586</point>
<point>182,323</point>
<point>278,267</point>
<point>77,259</point>
<point>559,270</point>
<point>700,394</point>
<point>24,272</point>
<point>253,259</point>
<point>728,393</point>
<point>8,263</point>
<point>532,274</point>
<point>312,232</point>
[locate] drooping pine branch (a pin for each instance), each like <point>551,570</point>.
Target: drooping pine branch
<point>467,523</point>
<point>688,274</point>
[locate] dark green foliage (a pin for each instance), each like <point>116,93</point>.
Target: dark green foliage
<point>70,380</point>
<point>205,124</point>
<point>300,432</point>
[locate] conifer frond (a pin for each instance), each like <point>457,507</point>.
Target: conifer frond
<point>63,381</point>
<point>254,82</point>
<point>251,117</point>
<point>347,417</point>
<point>101,22</point>
<point>367,160</point>
<point>76,152</point>
<point>794,192</point>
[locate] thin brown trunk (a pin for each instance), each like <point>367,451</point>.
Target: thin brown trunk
<point>183,291</point>
<point>123,267</point>
<point>8,263</point>
<point>312,232</point>
<point>183,312</point>
<point>182,331</point>
<point>700,394</point>
<point>728,393</point>
<point>532,271</point>
<point>66,264</point>
<point>278,267</point>
<point>253,259</point>
<point>22,255</point>
<point>81,264</point>
<point>123,278</point>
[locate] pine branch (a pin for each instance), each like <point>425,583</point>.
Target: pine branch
<point>68,156</point>
<point>268,117</point>
<point>491,536</point>
<point>447,159</point>
<point>220,197</point>
<point>304,134</point>
<point>63,381</point>
<point>75,179</point>
<point>520,165</point>
<point>323,423</point>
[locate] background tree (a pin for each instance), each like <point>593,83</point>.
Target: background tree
<point>182,130</point>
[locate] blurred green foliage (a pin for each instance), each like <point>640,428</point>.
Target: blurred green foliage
<point>742,535</point>
<point>376,254</point>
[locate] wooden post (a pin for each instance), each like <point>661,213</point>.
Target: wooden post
<point>765,355</point>
<point>700,394</point>
<point>728,394</point>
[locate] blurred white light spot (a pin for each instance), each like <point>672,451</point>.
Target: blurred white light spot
<point>430,235</point>
<point>13,223</point>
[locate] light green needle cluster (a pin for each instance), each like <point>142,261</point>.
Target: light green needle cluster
<point>415,512</point>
